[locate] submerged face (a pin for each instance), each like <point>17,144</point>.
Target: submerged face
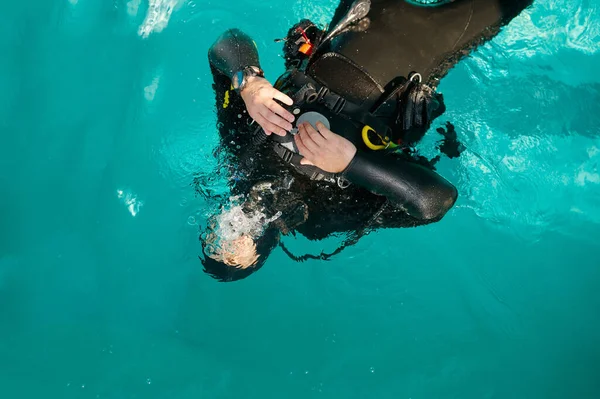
<point>236,258</point>
<point>239,239</point>
<point>230,260</point>
<point>239,253</point>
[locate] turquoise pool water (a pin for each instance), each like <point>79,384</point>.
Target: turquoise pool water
<point>106,119</point>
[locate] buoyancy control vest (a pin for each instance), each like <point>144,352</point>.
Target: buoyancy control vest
<point>372,117</point>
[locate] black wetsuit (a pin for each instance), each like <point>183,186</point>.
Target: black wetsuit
<point>401,38</point>
<point>428,40</point>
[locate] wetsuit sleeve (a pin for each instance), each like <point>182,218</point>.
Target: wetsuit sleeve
<point>233,51</point>
<point>420,191</point>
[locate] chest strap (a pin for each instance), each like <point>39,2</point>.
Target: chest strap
<point>294,159</point>
<point>312,92</point>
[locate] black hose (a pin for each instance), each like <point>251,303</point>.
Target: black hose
<point>259,137</point>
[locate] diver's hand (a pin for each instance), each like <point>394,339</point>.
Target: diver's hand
<point>323,148</point>
<point>259,96</point>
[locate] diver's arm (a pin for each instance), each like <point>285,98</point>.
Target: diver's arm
<point>420,191</point>
<point>233,51</point>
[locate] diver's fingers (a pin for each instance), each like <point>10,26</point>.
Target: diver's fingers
<point>270,126</point>
<point>277,95</point>
<point>267,126</point>
<point>304,151</point>
<point>279,110</point>
<point>306,139</point>
<point>276,119</point>
<point>305,161</point>
<point>326,133</point>
<point>261,122</point>
<point>315,135</point>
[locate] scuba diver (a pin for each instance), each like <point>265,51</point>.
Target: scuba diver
<point>329,148</point>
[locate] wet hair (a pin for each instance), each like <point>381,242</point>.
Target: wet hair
<point>226,273</point>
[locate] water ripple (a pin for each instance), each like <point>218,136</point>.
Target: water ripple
<point>157,17</point>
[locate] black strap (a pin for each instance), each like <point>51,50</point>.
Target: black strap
<point>397,91</point>
<point>367,118</point>
<point>294,158</point>
<point>337,104</point>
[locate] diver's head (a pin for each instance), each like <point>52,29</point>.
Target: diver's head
<point>237,259</point>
